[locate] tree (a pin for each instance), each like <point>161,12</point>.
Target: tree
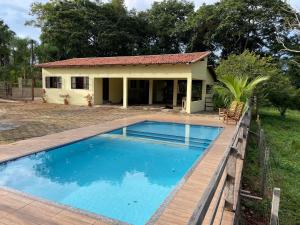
<point>6,36</point>
<point>21,56</point>
<point>167,20</point>
<point>84,28</point>
<point>249,65</point>
<point>232,26</point>
<point>282,94</point>
<point>293,24</point>
<point>237,88</point>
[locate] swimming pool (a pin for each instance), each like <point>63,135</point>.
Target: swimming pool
<point>125,174</point>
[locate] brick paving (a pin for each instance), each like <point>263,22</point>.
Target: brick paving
<point>37,119</point>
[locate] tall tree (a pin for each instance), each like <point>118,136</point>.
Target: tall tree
<point>6,36</point>
<point>84,28</point>
<point>20,65</point>
<point>167,19</point>
<point>232,26</point>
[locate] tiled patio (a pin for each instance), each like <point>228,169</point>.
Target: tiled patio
<point>19,209</point>
<point>37,119</point>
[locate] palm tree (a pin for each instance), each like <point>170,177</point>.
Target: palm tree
<point>237,88</point>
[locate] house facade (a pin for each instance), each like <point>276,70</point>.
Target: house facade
<point>182,80</point>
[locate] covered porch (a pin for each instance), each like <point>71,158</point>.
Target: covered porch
<point>185,93</point>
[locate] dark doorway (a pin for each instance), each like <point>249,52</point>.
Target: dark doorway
<point>181,90</point>
<point>105,90</point>
<point>138,92</point>
<point>163,92</point>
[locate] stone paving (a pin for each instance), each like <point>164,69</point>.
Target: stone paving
<point>36,119</point>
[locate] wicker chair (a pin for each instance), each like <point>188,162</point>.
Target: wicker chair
<point>236,115</point>
<point>230,110</point>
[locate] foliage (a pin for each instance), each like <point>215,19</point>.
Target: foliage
<point>21,56</point>
<point>293,71</point>
<point>247,64</point>
<point>232,26</point>
<point>283,141</point>
<point>283,138</point>
<point>238,88</point>
<point>282,94</point>
<point>167,20</point>
<point>250,66</point>
<point>109,29</point>
<point>6,35</point>
<point>169,26</point>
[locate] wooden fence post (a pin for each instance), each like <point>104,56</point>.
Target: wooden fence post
<point>274,220</point>
<point>230,179</point>
<point>32,89</point>
<point>264,159</point>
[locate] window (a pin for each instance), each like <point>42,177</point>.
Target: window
<point>53,82</point>
<point>80,83</point>
<point>196,90</point>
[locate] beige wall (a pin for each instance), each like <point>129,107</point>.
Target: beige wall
<point>200,72</point>
<point>98,93</point>
<point>179,71</point>
<point>77,96</point>
<point>116,90</point>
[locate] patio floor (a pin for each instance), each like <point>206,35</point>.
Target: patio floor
<point>19,209</point>
<point>37,119</point>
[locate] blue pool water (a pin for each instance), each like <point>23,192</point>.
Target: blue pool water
<point>125,174</point>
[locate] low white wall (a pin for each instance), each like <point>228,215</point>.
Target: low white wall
<point>197,106</point>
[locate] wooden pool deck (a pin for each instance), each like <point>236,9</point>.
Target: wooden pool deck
<point>20,209</point>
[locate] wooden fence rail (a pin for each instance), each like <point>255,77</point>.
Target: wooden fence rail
<point>226,179</point>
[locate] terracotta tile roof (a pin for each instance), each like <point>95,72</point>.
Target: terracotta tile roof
<point>128,60</point>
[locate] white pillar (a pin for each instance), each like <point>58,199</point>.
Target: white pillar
<point>175,89</point>
<point>150,92</point>
<point>125,92</point>
<point>188,94</point>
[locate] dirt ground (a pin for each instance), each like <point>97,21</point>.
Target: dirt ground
<point>20,120</point>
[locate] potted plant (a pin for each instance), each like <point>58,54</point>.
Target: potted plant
<point>89,99</point>
<point>65,97</point>
<point>44,96</point>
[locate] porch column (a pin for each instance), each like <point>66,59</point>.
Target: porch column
<point>175,89</point>
<point>150,92</point>
<point>125,92</point>
<point>188,94</point>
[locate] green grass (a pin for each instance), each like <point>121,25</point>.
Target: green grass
<point>283,139</point>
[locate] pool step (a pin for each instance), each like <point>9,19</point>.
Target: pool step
<point>161,141</point>
<point>193,142</point>
<point>171,136</point>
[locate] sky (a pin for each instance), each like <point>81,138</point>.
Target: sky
<point>16,12</point>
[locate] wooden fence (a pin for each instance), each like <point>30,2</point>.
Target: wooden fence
<point>21,90</point>
<point>223,193</point>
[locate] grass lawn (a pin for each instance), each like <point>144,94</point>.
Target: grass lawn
<point>283,138</point>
